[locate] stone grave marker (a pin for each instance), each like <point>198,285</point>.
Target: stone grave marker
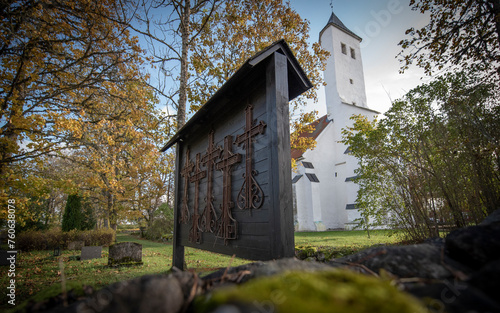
<point>76,245</point>
<point>125,253</point>
<point>233,190</point>
<point>93,252</point>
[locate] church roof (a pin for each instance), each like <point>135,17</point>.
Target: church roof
<point>319,125</point>
<point>335,21</point>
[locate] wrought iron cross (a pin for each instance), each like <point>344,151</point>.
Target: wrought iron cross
<point>227,226</point>
<point>209,216</point>
<point>251,195</point>
<point>186,170</point>
<point>195,232</point>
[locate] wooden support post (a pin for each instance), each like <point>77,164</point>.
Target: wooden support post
<point>178,249</point>
<point>280,165</point>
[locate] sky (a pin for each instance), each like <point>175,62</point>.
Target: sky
<point>381,24</point>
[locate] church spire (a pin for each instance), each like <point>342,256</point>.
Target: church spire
<point>335,21</point>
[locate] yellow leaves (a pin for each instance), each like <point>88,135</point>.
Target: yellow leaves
<point>238,30</point>
<point>81,97</point>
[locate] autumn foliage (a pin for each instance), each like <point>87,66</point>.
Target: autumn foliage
<point>80,114</point>
<point>71,88</point>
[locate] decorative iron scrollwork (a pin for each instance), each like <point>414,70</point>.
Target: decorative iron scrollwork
<point>209,216</point>
<point>195,232</point>
<point>250,195</point>
<point>227,226</point>
<point>186,170</point>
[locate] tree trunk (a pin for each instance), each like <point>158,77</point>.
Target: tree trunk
<point>169,185</point>
<point>184,27</point>
<point>111,214</point>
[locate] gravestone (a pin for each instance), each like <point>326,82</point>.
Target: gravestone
<point>88,253</point>
<point>233,186</point>
<point>76,245</point>
<point>125,253</point>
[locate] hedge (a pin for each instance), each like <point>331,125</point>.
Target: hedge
<point>48,240</point>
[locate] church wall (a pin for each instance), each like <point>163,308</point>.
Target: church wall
<point>303,194</point>
<point>334,167</point>
<point>329,192</point>
<point>348,188</point>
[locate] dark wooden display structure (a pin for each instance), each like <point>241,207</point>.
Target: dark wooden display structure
<point>233,170</point>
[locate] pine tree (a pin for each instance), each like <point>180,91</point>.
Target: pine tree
<point>72,218</point>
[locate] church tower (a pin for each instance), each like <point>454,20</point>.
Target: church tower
<point>324,181</point>
<point>344,68</point>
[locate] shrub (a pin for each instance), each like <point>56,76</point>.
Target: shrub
<point>54,238</point>
<point>69,236</point>
<point>47,240</point>
<point>31,240</point>
<point>99,237</point>
<point>161,226</point>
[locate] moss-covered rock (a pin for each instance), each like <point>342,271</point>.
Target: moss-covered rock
<point>303,253</point>
<point>323,253</point>
<point>322,291</point>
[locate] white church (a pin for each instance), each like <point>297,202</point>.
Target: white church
<point>324,193</point>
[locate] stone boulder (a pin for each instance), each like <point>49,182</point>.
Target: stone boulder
<point>146,294</point>
<point>493,218</point>
<point>423,260</point>
<point>475,246</point>
<point>243,273</point>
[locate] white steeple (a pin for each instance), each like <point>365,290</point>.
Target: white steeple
<point>344,69</point>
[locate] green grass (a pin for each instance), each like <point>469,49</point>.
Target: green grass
<point>355,238</point>
<point>341,243</point>
<point>38,273</point>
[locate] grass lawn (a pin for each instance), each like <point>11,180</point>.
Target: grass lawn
<point>38,273</point>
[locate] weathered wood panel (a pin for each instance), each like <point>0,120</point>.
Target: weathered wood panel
<point>233,185</point>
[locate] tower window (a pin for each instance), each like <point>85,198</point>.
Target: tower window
<point>344,48</point>
<point>353,53</point>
